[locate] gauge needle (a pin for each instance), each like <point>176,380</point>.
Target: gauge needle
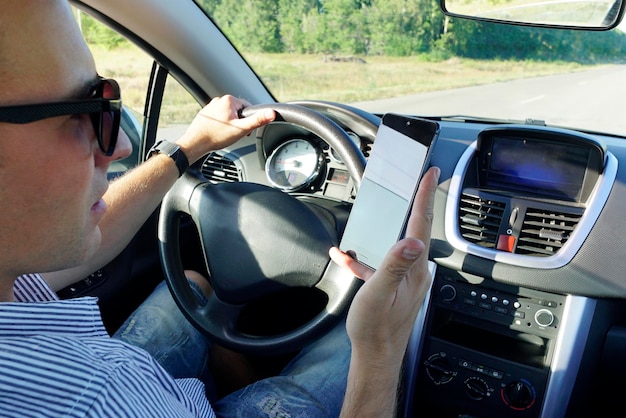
<point>293,163</point>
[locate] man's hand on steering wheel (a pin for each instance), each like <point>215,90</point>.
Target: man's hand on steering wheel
<point>218,125</point>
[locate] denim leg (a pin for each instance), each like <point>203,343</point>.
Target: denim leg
<point>313,384</point>
<point>159,327</point>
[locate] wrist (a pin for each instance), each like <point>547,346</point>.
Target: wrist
<point>371,389</point>
<point>172,150</point>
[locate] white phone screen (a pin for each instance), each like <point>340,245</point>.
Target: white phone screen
<point>389,183</point>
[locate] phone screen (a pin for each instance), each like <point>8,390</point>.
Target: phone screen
<point>396,163</point>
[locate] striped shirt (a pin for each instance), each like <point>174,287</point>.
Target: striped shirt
<point>57,360</point>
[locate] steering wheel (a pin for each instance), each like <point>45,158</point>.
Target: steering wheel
<point>259,243</point>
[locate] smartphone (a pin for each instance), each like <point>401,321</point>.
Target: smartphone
<point>399,157</point>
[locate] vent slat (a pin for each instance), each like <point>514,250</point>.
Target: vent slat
<point>538,251</point>
<point>220,169</point>
<point>482,218</point>
<point>545,232</point>
<point>479,219</point>
<point>542,225</point>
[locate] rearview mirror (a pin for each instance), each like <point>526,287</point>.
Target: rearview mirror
<point>570,14</point>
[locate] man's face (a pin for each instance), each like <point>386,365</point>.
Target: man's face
<point>52,173</point>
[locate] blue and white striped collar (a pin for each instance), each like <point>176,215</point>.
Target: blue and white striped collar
<point>78,317</point>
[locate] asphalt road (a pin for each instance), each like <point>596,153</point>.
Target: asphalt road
<point>594,100</point>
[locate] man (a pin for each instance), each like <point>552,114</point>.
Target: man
<point>55,356</point>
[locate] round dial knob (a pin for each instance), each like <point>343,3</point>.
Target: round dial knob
<point>439,369</point>
<point>519,395</point>
<point>447,293</point>
<point>544,317</point>
<point>476,388</point>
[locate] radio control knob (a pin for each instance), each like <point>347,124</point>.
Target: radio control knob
<point>544,317</point>
<point>447,293</point>
<point>519,395</point>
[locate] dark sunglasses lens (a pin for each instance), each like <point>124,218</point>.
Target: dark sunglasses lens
<point>106,124</point>
<point>110,128</point>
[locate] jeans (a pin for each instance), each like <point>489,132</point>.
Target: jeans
<point>311,385</point>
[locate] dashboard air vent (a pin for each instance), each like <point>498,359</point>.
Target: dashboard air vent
<point>479,219</point>
<point>544,232</point>
<point>218,168</point>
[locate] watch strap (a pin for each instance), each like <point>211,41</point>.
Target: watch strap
<point>173,151</point>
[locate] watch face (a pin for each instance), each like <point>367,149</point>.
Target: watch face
<point>174,152</point>
<point>165,147</point>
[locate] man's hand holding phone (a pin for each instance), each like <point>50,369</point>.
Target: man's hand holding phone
<point>382,314</point>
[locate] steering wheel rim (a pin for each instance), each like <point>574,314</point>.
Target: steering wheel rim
<point>238,265</point>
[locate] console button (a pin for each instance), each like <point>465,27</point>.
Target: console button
<point>501,310</point>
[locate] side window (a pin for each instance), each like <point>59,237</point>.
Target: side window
<point>118,58</point>
<point>177,110</point>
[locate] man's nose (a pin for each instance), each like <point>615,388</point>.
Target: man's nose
<point>123,148</point>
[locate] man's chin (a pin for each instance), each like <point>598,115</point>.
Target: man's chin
<point>91,246</point>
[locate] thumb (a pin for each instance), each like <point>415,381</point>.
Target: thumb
<point>400,260</point>
<point>256,119</point>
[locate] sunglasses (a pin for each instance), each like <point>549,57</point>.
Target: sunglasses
<point>104,108</point>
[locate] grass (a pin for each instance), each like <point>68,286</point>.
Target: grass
<point>293,77</point>
<point>297,76</point>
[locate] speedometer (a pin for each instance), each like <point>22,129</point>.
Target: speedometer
<point>293,165</point>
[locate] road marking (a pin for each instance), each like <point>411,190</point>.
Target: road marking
<point>534,99</point>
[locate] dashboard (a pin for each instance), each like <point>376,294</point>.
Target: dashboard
<point>536,228</point>
<point>526,243</point>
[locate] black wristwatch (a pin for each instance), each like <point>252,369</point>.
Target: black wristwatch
<point>173,151</point>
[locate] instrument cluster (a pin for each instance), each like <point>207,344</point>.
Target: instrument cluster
<point>304,163</point>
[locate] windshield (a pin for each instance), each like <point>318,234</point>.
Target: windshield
<point>407,57</point>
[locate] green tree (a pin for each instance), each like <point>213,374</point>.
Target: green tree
<point>294,18</point>
<point>473,39</point>
<point>402,27</point>
<point>96,33</point>
<point>251,25</point>
<point>344,27</point>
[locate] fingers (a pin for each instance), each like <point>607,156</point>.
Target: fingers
<point>259,119</point>
<point>397,262</point>
<point>218,125</point>
<point>234,107</point>
<point>410,255</point>
<point>346,261</point>
<point>421,219</point>
<point>403,256</point>
<point>404,253</point>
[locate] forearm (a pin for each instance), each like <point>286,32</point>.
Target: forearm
<point>372,388</point>
<point>130,200</point>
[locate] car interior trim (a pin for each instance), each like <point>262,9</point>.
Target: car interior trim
<point>568,354</point>
<point>597,201</point>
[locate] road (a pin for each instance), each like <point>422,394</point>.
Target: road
<point>593,99</point>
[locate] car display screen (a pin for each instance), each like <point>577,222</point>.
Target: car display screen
<point>537,167</point>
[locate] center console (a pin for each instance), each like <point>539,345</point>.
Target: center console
<point>489,350</point>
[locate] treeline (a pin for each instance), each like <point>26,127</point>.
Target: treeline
<point>396,28</point>
<point>389,28</point>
